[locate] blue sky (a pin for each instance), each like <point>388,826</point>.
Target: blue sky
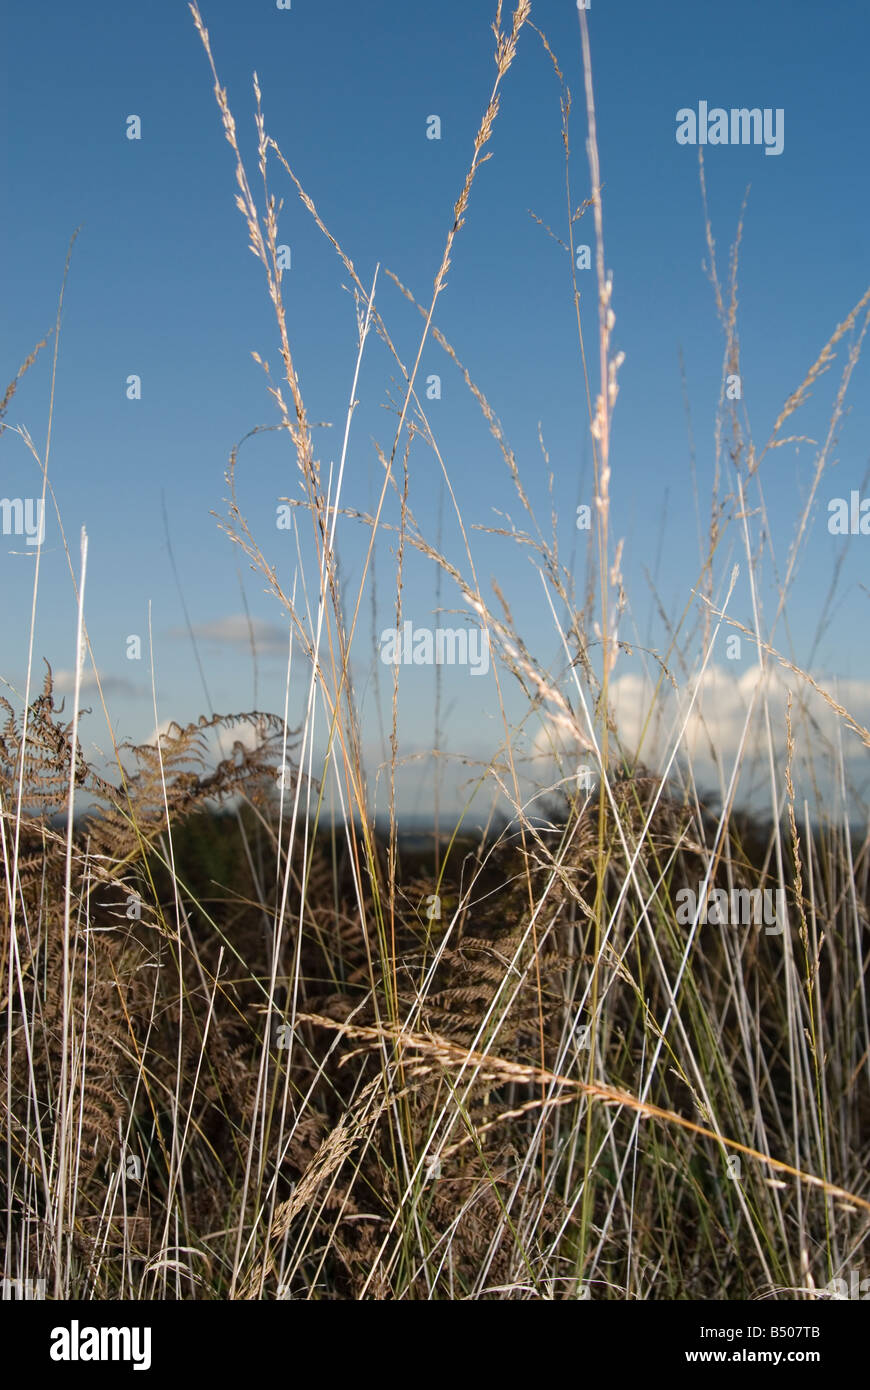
<point>162,285</point>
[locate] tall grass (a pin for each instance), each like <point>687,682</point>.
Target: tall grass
<point>272,1054</point>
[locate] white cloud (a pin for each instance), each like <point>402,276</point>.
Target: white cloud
<point>219,741</point>
<point>161,730</point>
<point>711,734</point>
<point>716,724</point>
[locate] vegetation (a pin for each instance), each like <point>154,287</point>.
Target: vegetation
<point>250,1053</point>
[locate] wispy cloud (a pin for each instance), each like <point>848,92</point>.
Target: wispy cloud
<point>236,630</point>
<point>65,684</point>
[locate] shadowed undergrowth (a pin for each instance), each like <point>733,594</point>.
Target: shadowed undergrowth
<point>250,1122</point>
